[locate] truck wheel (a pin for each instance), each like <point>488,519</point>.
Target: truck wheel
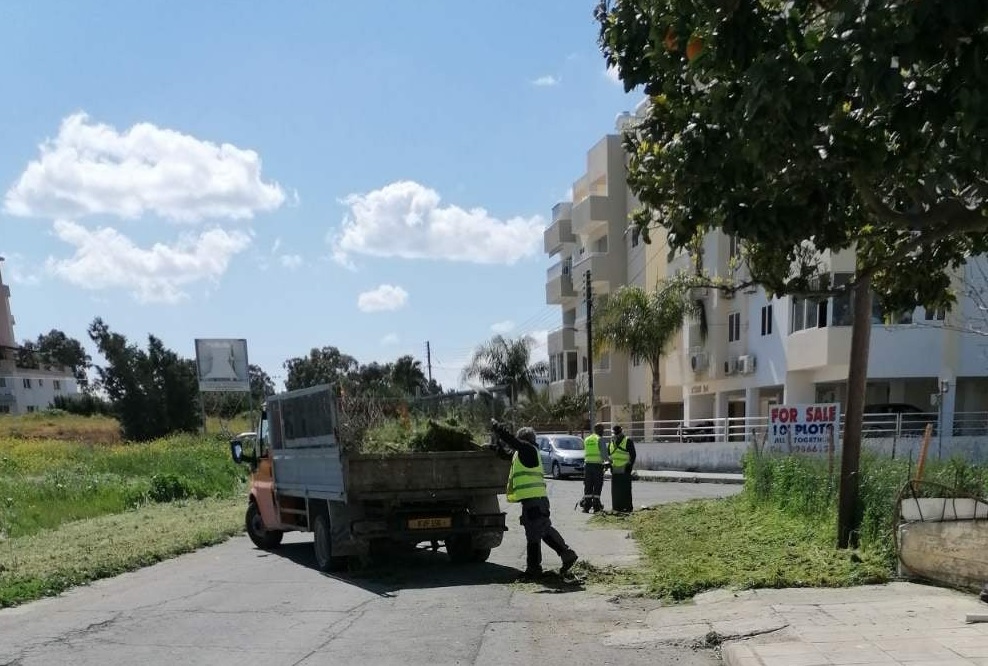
<point>460,549</point>
<point>481,554</point>
<point>264,539</point>
<point>557,473</point>
<point>322,544</point>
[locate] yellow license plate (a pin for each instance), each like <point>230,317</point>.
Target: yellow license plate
<point>429,523</point>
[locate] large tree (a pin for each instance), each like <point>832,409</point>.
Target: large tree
<point>810,127</point>
<point>505,362</point>
<point>642,324</point>
<point>153,392</point>
<point>55,349</point>
<point>407,375</point>
<point>327,365</point>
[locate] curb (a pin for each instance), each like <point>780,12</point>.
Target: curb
<point>693,478</point>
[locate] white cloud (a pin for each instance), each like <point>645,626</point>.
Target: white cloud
<point>107,259</point>
<point>277,244</point>
<point>291,261</point>
<point>540,351</point>
<point>405,219</point>
<point>92,169</point>
<point>546,81</point>
<point>613,75</point>
<point>14,268</point>
<point>389,339</point>
<point>503,327</point>
<point>383,299</point>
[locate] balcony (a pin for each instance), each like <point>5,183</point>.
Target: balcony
<point>605,267</point>
<point>562,339</point>
<point>559,283</point>
<point>560,231</point>
<point>593,212</point>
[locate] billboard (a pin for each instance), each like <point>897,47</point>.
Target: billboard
<point>804,428</point>
<point>222,364</point>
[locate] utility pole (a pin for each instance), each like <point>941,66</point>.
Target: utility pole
<point>428,360</point>
<point>592,407</point>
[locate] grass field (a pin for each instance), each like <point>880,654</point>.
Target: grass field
<point>73,509</point>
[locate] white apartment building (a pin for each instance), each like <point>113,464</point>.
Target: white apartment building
<point>759,351</point>
<point>23,390</point>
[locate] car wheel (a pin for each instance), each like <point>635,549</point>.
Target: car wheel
<point>557,473</point>
<point>264,539</point>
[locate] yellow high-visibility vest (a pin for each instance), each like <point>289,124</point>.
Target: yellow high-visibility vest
<point>525,482</point>
<point>591,449</point>
<point>619,454</point>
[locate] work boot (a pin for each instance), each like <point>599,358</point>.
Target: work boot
<point>569,559</point>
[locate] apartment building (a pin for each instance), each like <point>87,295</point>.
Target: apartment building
<point>760,351</point>
<point>590,234</point>
<point>25,390</point>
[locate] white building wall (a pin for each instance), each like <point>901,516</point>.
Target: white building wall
<point>23,391</point>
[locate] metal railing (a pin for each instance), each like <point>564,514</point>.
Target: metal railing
<point>741,429</point>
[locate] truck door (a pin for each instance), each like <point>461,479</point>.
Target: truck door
<point>263,481</point>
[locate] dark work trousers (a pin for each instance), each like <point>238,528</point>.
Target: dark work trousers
<point>538,528</point>
<point>621,491</point>
<point>593,486</point>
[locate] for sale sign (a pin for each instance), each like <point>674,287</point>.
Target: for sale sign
<point>803,428</point>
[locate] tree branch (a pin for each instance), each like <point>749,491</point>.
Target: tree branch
<point>951,212</point>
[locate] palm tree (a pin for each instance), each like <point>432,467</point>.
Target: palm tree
<point>407,375</point>
<point>642,324</point>
<point>504,362</point>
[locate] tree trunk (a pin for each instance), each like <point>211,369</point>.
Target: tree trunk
<point>848,511</point>
<point>656,392</point>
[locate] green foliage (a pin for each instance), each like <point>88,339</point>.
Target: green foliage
<point>44,483</point>
<point>504,362</point>
<point>53,350</point>
<point>407,436</point>
<point>811,126</point>
<point>401,379</point>
<point>84,404</point>
<point>154,392</point>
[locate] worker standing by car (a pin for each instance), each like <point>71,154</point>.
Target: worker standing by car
<point>622,454</point>
<point>593,471</point>
<point>526,484</point>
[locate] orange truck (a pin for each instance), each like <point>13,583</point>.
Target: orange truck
<point>303,480</point>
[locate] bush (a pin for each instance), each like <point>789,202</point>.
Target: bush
<point>83,405</point>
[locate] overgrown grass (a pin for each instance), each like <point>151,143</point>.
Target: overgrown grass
<point>419,434</point>
<point>45,483</point>
<point>49,562</point>
<point>779,532</point>
<point>55,424</point>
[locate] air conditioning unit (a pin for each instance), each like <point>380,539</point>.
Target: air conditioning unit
<point>698,361</point>
<point>746,364</point>
<point>730,366</point>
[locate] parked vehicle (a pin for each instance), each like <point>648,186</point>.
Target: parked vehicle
<point>303,480</point>
<point>562,455</point>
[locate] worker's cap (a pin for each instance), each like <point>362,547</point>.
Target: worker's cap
<point>617,430</point>
<point>526,434</point>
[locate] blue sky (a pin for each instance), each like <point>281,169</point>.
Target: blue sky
<point>365,175</point>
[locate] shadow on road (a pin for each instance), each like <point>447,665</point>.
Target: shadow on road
<point>418,568</point>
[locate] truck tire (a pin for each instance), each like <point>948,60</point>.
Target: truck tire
<point>322,546</point>
<point>460,549</point>
<point>264,539</point>
<point>481,554</point>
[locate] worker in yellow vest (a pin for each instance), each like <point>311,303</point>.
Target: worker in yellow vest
<point>526,485</point>
<point>622,462</point>
<point>593,470</point>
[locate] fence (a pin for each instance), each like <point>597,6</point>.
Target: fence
<point>741,429</point>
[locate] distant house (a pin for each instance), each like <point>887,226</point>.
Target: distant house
<point>24,390</point>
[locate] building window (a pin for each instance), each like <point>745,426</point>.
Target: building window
<point>636,235</point>
<point>931,315</point>
<point>3,382</point>
<point>4,409</point>
<point>734,327</point>
<point>41,382</point>
<point>57,384</point>
<point>808,313</point>
<point>26,382</point>
<point>767,319</point>
<point>31,409</point>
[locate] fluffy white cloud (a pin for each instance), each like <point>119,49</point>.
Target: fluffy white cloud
<point>405,219</point>
<point>383,299</point>
<point>92,169</point>
<point>503,327</point>
<point>15,269</point>
<point>390,339</point>
<point>546,81</point>
<point>105,258</point>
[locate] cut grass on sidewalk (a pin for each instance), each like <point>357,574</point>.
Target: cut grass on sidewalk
<point>51,561</point>
<point>702,545</point>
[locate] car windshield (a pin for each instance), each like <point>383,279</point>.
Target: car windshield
<point>568,443</point>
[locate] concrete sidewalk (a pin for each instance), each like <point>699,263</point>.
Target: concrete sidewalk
<point>898,623</point>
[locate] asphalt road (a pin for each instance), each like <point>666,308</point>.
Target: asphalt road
<point>234,604</point>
